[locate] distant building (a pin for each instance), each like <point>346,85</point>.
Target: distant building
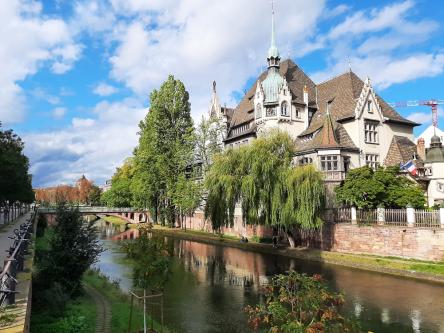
<point>107,185</point>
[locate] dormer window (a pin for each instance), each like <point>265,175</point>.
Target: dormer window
<point>284,109</point>
<point>258,111</point>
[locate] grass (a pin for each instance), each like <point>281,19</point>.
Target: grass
<point>114,219</point>
<point>79,316</point>
<point>120,303</point>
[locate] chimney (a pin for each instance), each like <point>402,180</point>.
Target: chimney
<point>306,119</point>
<point>420,148</point>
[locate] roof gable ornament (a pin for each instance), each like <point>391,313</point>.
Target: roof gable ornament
<point>366,92</point>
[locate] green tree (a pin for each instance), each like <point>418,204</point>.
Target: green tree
<point>365,188</point>
<point>270,190</point>
<point>297,303</point>
<point>165,149</point>
<point>15,181</point>
<point>73,247</point>
<point>187,197</point>
<point>208,135</point>
<point>120,195</point>
<point>94,195</point>
<point>151,260</point>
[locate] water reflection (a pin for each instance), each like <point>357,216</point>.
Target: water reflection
<point>211,284</point>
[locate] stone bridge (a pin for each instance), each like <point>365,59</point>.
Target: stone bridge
<point>131,215</point>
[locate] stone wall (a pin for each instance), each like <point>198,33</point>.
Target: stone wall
<point>197,222</point>
<point>417,243</point>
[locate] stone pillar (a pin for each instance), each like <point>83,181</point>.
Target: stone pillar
<point>441,216</point>
<point>410,217</point>
<point>354,220</point>
<point>381,215</point>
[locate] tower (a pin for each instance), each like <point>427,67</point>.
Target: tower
<point>272,100</point>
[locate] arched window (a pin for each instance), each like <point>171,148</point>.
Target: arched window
<point>258,111</point>
<point>284,109</point>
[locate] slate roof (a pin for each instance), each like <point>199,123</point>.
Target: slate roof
<point>328,137</point>
<point>342,91</point>
<point>401,150</point>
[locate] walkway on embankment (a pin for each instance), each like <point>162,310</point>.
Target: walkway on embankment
<point>103,321</point>
<point>415,269</point>
<point>6,231</point>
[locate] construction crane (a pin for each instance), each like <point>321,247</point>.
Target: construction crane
<point>433,103</point>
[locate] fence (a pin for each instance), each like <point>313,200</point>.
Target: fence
<point>407,217</point>
<point>396,217</point>
<point>427,219</point>
<point>14,262</point>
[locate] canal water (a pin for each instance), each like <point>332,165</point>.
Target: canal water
<point>211,284</point>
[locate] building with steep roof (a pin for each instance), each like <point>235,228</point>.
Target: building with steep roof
<point>434,166</point>
<point>337,124</point>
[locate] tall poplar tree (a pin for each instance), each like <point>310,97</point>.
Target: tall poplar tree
<point>165,149</point>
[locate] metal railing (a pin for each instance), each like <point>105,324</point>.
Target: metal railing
<point>90,209</point>
<point>14,262</point>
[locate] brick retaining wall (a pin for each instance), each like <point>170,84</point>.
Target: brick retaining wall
<point>417,243</point>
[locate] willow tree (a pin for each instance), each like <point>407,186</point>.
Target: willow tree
<point>270,190</point>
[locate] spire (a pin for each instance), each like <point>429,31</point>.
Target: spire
<point>273,52</point>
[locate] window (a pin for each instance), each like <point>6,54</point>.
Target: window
<point>284,109</point>
<point>271,112</point>
<point>258,111</point>
<point>369,107</point>
<point>371,132</point>
<point>305,161</point>
<point>329,163</point>
<point>372,160</point>
<point>297,113</point>
<point>440,187</point>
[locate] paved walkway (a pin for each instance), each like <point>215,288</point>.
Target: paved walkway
<point>103,322</point>
<point>6,231</point>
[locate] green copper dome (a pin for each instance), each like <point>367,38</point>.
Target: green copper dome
<point>436,152</point>
<point>272,85</point>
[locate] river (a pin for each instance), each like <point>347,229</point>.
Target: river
<point>210,285</point>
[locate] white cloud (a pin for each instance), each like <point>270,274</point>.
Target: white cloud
<point>336,11</point>
<point>28,41</point>
<point>378,43</point>
<point>59,112</point>
<point>42,94</point>
<point>94,147</point>
<point>200,41</point>
<point>82,122</point>
<point>424,117</point>
<point>104,89</point>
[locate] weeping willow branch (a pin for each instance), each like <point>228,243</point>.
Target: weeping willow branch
<point>271,191</point>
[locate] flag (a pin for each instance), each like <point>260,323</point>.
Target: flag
<point>410,167</point>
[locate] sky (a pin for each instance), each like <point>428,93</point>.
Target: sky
<point>76,75</point>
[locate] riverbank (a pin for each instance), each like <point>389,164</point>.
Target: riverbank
<point>415,269</point>
<point>120,303</point>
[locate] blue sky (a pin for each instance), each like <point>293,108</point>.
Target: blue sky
<point>77,74</point>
